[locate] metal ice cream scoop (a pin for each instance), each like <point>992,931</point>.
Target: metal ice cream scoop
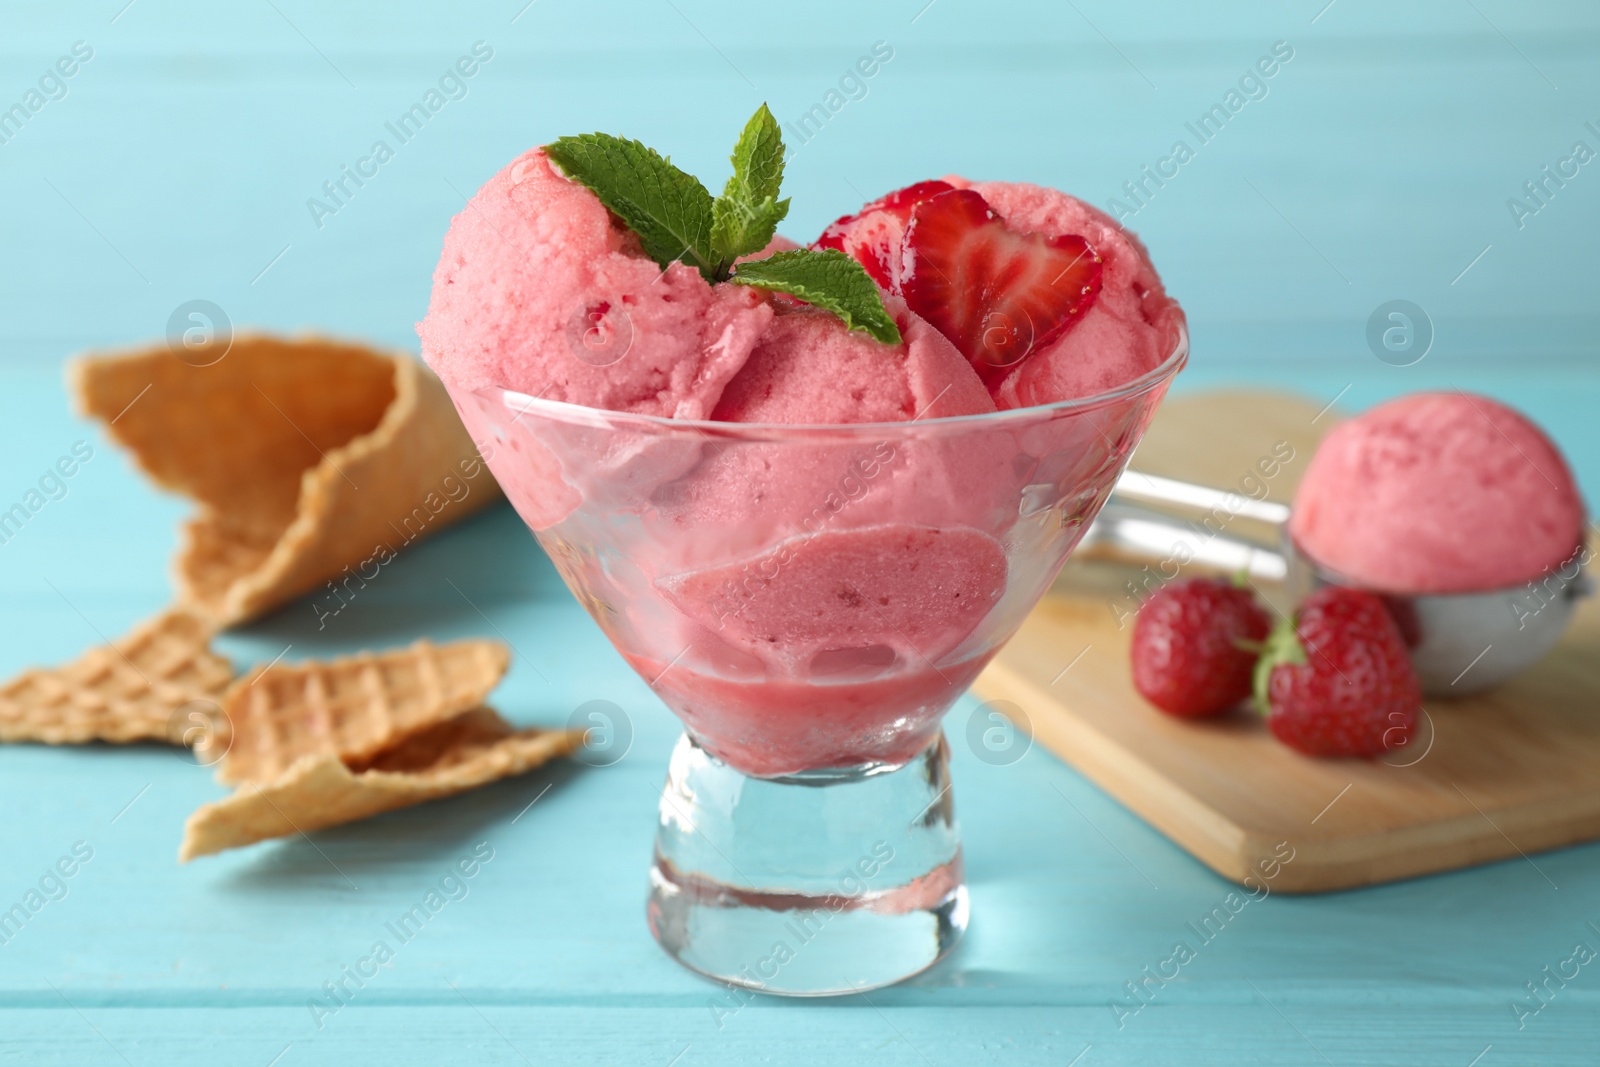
<point>1460,643</point>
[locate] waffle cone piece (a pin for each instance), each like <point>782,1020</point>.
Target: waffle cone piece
<point>136,688</point>
<point>350,709</point>
<point>319,744</point>
<point>307,457</point>
<point>319,791</point>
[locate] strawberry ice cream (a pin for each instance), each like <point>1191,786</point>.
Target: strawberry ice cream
<point>806,369</point>
<point>843,630</point>
<point>1438,493</point>
<point>841,571</point>
<point>814,585</point>
<point>539,290</point>
<point>542,291</point>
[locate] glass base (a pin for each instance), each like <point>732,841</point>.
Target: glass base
<point>814,884</point>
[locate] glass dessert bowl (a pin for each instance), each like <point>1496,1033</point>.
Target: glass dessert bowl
<point>810,601</point>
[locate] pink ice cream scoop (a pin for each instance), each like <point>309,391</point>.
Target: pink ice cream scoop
<point>1129,328</point>
<point>1438,493</point>
<point>541,291</point>
<point>807,368</point>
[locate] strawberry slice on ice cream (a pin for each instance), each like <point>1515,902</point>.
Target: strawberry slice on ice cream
<point>873,235</point>
<point>1046,296</point>
<point>997,294</point>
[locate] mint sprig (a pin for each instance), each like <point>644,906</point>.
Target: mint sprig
<point>677,220</point>
<point>829,279</point>
<point>746,215</point>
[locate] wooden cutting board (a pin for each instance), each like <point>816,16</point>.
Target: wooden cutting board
<point>1513,772</point>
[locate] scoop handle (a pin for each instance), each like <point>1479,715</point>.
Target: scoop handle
<point>1130,533</point>
<point>1151,489</point>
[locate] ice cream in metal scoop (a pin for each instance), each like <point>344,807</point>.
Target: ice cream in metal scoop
<point>1461,643</point>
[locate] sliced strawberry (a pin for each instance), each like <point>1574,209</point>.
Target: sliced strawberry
<point>997,294</point>
<point>872,235</point>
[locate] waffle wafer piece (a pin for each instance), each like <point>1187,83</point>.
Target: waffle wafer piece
<point>319,791</point>
<point>313,461</point>
<point>126,691</point>
<point>351,708</point>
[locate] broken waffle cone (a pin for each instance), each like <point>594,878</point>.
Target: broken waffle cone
<point>350,709</point>
<point>310,459</point>
<point>319,791</point>
<point>133,689</point>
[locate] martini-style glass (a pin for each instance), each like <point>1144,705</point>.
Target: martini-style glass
<point>810,601</point>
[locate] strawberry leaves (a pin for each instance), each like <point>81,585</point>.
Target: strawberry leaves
<point>677,220</point>
<point>1282,647</point>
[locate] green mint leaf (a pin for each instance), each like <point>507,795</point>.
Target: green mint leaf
<point>738,228</point>
<point>757,160</point>
<point>668,209</point>
<point>830,280</point>
<point>747,214</point>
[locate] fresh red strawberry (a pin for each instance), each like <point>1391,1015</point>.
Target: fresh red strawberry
<point>1338,680</point>
<point>1187,654</point>
<point>997,294</point>
<point>872,235</point>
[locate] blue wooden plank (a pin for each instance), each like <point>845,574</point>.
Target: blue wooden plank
<point>1242,1030</point>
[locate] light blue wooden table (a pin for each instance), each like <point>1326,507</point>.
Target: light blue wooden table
<point>176,163</point>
